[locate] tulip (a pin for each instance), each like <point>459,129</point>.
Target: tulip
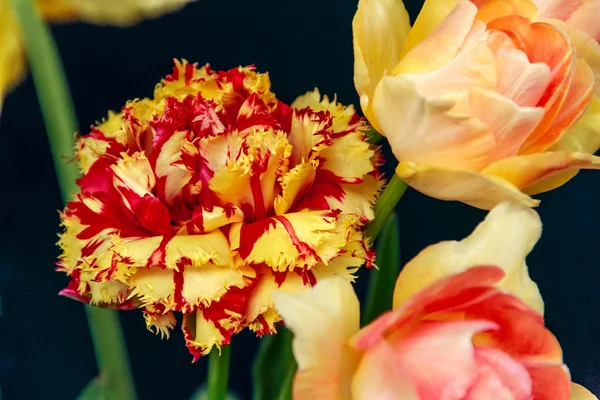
<point>483,101</point>
<point>102,12</point>
<point>458,330</point>
<point>458,338</point>
<point>204,199</point>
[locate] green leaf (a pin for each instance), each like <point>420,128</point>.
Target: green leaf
<point>272,365</point>
<point>382,281</point>
<point>94,390</point>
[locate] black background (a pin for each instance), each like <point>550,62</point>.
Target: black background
<point>46,350</point>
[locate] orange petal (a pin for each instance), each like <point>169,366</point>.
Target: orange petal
<point>490,10</point>
<point>473,188</point>
<point>550,382</point>
<point>543,42</point>
<point>529,172</point>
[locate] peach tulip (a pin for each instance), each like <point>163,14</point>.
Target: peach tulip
<point>456,331</point>
<point>485,100</point>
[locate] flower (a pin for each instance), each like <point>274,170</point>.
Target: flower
<point>458,338</point>
<point>109,12</point>
<point>213,194</point>
<point>482,101</point>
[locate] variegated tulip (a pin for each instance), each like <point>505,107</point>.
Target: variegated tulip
<point>109,12</point>
<point>460,338</point>
<point>485,100</point>
<point>206,198</point>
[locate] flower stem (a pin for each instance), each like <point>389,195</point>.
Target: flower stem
<point>218,373</point>
<point>385,206</point>
<point>59,118</point>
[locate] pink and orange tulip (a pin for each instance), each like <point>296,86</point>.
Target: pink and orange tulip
<point>456,331</point>
<point>209,196</point>
<point>482,101</point>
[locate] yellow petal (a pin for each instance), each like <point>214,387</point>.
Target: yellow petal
<point>503,239</point>
<point>470,187</point>
<point>532,172</point>
<point>109,12</point>
<point>322,319</point>
<point>344,117</point>
<point>201,334</point>
<point>438,34</point>
<point>578,392</point>
<point>12,61</point>
<point>379,31</point>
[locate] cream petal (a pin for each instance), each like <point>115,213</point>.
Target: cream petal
<point>473,188</point>
<point>513,229</point>
<point>379,31</point>
<point>322,319</point>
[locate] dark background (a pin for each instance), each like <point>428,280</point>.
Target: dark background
<point>45,348</point>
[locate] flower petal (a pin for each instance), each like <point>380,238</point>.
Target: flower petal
<point>322,319</point>
<point>530,172</point>
<point>407,119</point>
<point>587,49</point>
<point>438,34</point>
<point>435,361</point>
<point>473,188</point>
<point>12,60</point>
<point>379,31</point>
<point>578,392</point>
<point>514,230</point>
<point>111,12</point>
<point>432,14</point>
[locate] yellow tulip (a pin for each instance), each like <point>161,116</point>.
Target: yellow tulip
<point>482,101</point>
<point>102,12</point>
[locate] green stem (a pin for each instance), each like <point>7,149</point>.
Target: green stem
<point>218,373</point>
<point>383,280</point>
<point>59,118</point>
<point>385,205</point>
<point>286,387</point>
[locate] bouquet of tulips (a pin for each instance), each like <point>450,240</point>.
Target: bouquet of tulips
<point>215,207</point>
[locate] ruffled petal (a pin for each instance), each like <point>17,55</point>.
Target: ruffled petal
<point>379,31</point>
<point>322,319</point>
<point>473,188</point>
<point>514,230</point>
<point>292,240</point>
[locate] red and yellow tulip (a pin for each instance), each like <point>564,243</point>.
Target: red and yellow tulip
<point>482,101</point>
<point>457,331</point>
<point>213,194</point>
